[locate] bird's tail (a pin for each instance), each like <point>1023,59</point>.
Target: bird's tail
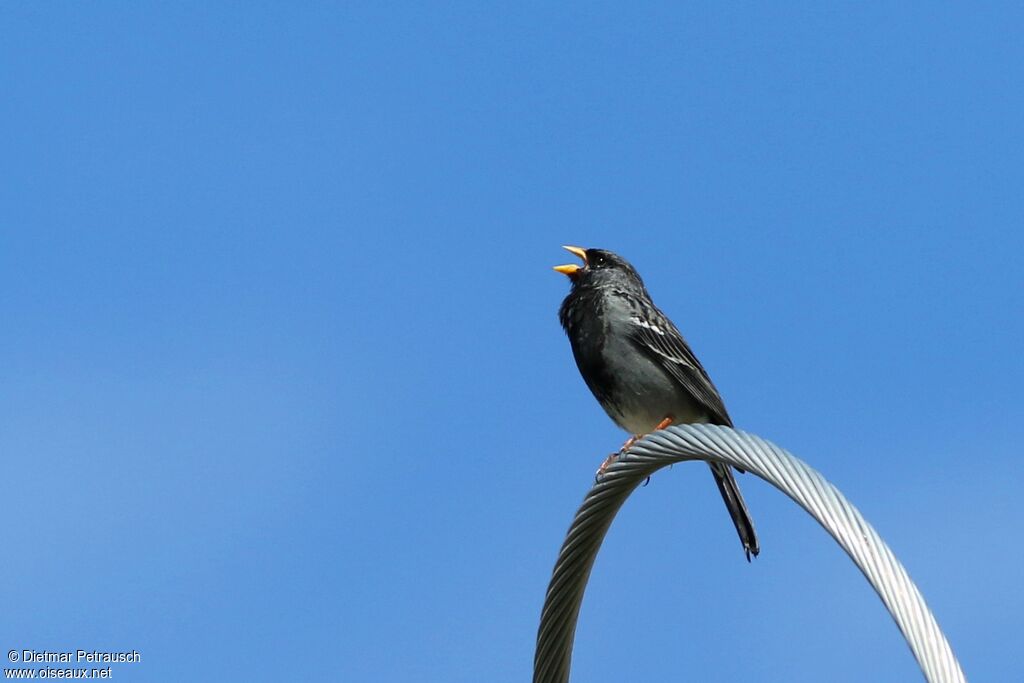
<point>737,507</point>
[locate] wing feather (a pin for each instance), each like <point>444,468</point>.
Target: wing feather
<point>662,342</point>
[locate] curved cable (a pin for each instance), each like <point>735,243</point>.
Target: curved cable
<point>796,479</point>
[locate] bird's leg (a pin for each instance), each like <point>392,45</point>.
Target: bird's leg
<point>629,443</point>
<point>615,456</point>
<point>636,437</point>
<point>606,464</point>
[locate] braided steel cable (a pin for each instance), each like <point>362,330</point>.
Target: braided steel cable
<point>796,479</point>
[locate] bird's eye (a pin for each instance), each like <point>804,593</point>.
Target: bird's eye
<point>599,260</point>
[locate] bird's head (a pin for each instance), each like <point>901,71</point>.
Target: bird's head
<point>599,266</point>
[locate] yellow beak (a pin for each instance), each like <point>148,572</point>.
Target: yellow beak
<point>571,268</point>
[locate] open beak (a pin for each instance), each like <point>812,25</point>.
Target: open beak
<point>572,269</point>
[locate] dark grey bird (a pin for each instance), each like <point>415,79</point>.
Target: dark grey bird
<point>638,366</point>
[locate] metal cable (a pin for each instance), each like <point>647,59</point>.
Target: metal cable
<point>782,470</point>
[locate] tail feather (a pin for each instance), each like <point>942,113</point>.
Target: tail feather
<point>737,508</point>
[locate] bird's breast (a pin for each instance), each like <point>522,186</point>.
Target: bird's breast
<point>644,392</point>
<point>634,390</point>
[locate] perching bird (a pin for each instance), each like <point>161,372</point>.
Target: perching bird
<point>638,365</point>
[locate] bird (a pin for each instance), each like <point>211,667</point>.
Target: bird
<point>639,367</point>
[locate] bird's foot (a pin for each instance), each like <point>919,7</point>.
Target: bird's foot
<point>626,446</point>
<point>605,465</point>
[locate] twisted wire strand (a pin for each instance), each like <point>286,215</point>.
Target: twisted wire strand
<point>803,484</point>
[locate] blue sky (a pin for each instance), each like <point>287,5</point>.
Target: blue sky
<point>285,394</point>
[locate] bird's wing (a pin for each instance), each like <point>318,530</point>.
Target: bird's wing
<point>657,337</point>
